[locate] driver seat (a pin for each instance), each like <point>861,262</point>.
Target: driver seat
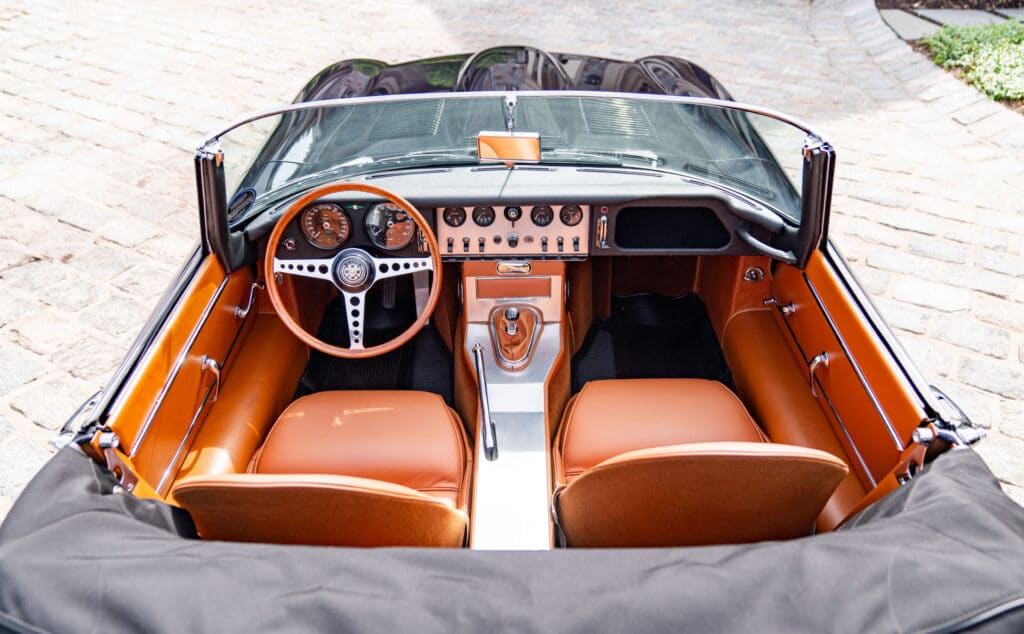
<point>345,468</point>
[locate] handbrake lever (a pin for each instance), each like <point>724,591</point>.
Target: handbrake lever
<point>487,431</point>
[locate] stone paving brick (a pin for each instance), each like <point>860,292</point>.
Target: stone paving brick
<point>102,103</point>
<point>49,402</point>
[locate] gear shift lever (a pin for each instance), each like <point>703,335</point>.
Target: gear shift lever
<point>511,321</point>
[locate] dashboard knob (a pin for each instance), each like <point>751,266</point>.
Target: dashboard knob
<point>513,240</point>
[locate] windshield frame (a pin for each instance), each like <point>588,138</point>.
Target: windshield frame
<point>815,139</point>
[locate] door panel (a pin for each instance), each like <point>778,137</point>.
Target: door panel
<point>862,389</point>
<point>162,405</point>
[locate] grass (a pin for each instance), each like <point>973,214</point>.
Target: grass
<point>990,57</point>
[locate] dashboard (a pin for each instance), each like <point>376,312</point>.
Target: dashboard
<point>527,230</point>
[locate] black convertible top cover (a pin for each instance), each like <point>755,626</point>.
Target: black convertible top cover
<point>944,553</point>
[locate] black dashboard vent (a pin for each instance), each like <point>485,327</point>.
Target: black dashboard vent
<point>669,228</point>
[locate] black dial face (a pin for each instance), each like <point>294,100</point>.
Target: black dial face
<point>542,215</point>
<point>513,214</point>
<point>454,216</point>
<point>389,227</point>
<point>571,215</point>
<point>483,216</point>
<point>325,225</point>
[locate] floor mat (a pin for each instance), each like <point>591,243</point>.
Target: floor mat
<point>650,336</point>
<point>422,364</point>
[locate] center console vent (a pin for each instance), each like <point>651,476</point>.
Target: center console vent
<point>669,228</point>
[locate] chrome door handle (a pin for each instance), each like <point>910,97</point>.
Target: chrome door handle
<point>214,367</point>
<point>819,361</point>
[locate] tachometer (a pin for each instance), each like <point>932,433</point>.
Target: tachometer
<point>389,227</point>
<point>325,225</point>
<point>542,215</point>
<point>570,215</point>
<point>454,216</point>
<point>483,216</point>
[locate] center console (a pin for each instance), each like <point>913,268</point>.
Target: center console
<point>514,313</point>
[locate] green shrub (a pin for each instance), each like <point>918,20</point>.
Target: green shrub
<point>991,56</point>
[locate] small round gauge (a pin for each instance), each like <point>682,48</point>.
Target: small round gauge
<point>483,216</point>
<point>454,216</point>
<point>542,215</point>
<point>325,225</point>
<point>389,227</point>
<point>571,215</point>
<point>513,214</point>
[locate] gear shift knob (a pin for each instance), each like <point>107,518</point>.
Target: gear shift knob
<point>511,319</point>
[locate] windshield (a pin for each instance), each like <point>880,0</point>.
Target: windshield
<point>757,155</point>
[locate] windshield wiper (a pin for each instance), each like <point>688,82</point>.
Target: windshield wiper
<point>412,157</point>
<point>604,157</point>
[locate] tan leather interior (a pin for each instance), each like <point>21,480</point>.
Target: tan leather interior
<point>257,388</point>
<point>672,462</point>
<point>318,510</point>
<point>608,418</point>
<point>513,287</point>
<point>390,464</point>
<point>514,347</point>
<point>777,392</point>
<point>698,494</point>
<point>403,437</point>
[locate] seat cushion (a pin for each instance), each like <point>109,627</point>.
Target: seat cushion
<point>608,418</point>
<point>406,438</point>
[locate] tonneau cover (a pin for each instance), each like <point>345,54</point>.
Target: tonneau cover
<point>942,553</point>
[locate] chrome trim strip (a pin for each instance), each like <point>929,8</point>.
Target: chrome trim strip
<point>856,368</point>
<point>846,432</point>
<point>173,464</point>
<point>828,401</point>
<point>498,94</point>
<point>180,361</point>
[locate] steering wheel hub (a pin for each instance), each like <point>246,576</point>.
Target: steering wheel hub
<point>354,271</point>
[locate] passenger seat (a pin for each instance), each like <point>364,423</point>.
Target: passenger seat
<point>679,462</point>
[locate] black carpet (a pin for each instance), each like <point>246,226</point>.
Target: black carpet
<point>423,364</point>
<point>650,336</point>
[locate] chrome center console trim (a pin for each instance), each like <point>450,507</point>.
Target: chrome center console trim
<point>511,501</point>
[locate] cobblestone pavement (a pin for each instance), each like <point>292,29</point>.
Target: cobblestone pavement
<point>101,104</point>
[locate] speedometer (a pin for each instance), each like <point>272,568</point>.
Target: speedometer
<point>325,225</point>
<point>389,226</point>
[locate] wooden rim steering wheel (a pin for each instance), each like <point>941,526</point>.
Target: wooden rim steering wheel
<point>353,271</point>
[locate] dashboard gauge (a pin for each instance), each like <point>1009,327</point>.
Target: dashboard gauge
<point>513,214</point>
<point>454,216</point>
<point>542,215</point>
<point>483,216</point>
<point>389,227</point>
<point>325,225</point>
<point>571,215</point>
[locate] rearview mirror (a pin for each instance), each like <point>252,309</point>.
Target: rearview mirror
<point>508,147</point>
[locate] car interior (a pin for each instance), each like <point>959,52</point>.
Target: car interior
<point>514,374</point>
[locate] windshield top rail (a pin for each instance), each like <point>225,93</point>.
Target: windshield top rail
<point>498,94</point>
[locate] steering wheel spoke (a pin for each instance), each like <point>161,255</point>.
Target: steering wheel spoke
<point>355,314</point>
<point>318,269</point>
<point>393,267</point>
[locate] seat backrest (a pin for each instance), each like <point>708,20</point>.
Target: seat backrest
<point>322,510</point>
<point>698,494</point>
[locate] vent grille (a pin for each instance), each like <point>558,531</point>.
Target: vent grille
<point>416,118</point>
<point>616,117</point>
